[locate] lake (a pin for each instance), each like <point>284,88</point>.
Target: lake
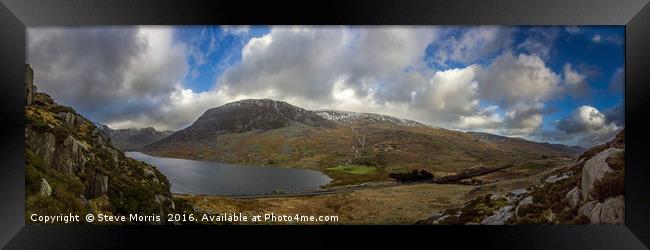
<point>217,178</point>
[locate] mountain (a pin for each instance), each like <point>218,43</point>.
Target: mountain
<point>71,166</point>
<point>274,133</point>
<point>357,118</point>
<point>590,190</point>
<point>491,138</point>
<point>133,139</point>
<point>244,116</point>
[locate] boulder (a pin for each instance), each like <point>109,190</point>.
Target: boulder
<point>595,213</point>
<point>45,190</point>
<point>594,170</point>
<point>67,117</point>
<point>555,178</point>
<point>573,197</point>
<point>613,210</point>
<point>526,201</point>
<point>499,217</point>
<point>586,209</point>
<point>518,192</point>
<point>30,89</point>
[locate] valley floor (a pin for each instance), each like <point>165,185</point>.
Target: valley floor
<point>378,203</point>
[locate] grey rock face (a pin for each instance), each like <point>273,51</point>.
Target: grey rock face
<point>586,208</point>
<point>554,178</point>
<point>613,210</point>
<point>526,201</point>
<point>43,144</point>
<point>499,217</point>
<point>45,190</point>
<point>594,170</point>
<point>595,213</point>
<point>30,89</point>
<point>98,186</point>
<point>573,197</point>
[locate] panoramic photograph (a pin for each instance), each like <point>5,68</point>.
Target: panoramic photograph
<point>325,125</point>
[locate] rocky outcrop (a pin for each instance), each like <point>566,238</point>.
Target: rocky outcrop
<point>72,165</point>
<point>613,210</point>
<point>30,88</point>
<point>573,197</point>
<point>45,190</point>
<point>594,170</point>
<point>585,192</point>
<point>499,217</point>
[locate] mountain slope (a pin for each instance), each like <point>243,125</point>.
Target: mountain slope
<point>71,166</point>
<point>590,190</point>
<point>293,137</point>
<point>133,139</point>
<point>357,118</point>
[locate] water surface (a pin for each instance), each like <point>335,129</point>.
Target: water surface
<point>217,178</point>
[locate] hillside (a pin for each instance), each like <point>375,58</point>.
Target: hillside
<point>71,166</point>
<point>591,190</point>
<point>133,139</point>
<point>273,133</point>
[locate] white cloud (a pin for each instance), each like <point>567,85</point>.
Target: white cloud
<point>511,79</point>
<point>540,42</point>
<point>573,29</point>
<point>107,73</point>
<point>472,44</point>
<point>574,81</point>
<point>596,38</point>
<point>137,75</point>
<point>587,126</point>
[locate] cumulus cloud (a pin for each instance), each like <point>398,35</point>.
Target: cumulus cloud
<point>512,79</point>
<point>104,72</point>
<point>574,81</point>
<point>587,126</point>
<point>473,44</point>
<point>133,77</point>
<point>540,42</point>
<point>573,29</point>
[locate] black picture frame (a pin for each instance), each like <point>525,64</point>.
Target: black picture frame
<point>16,15</point>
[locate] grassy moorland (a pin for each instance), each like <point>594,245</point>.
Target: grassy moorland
<point>338,152</point>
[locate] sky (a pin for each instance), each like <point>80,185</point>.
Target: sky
<point>560,84</point>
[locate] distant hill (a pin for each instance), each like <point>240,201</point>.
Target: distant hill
<point>133,139</point>
<point>486,137</point>
<point>273,133</point>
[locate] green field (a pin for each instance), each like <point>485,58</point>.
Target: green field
<point>354,169</point>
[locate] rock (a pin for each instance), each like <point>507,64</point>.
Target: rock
<point>43,144</point>
<point>518,192</point>
<point>499,217</point>
<point>526,201</point>
<point>586,209</point>
<point>98,186</point>
<point>594,170</point>
<point>30,89</point>
<point>613,210</point>
<point>573,197</point>
<point>67,117</point>
<point>595,213</point>
<point>437,218</point>
<point>71,156</point>
<point>554,178</point>
<point>45,190</point>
